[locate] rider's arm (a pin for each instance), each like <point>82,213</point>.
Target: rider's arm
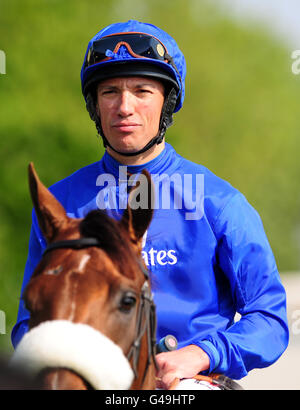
<point>245,257</point>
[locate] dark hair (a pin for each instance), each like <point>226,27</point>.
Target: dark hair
<point>113,238</point>
<point>91,106</point>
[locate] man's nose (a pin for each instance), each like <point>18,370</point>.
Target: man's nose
<point>126,104</point>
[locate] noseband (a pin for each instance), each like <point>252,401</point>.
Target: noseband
<point>146,316</point>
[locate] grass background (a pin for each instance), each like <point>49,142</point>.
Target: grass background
<point>240,117</point>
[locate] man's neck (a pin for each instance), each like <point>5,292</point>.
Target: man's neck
<point>140,159</point>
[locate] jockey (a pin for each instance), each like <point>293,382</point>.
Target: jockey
<point>206,247</point>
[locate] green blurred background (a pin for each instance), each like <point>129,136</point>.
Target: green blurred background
<point>240,117</point>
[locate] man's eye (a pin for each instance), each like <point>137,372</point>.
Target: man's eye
<point>107,92</point>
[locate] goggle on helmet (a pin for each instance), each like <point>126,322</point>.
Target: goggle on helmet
<point>134,48</point>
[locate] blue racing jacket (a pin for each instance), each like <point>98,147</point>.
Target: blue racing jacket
<point>208,256</point>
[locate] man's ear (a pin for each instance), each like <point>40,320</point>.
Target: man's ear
<point>50,213</point>
<point>138,214</point>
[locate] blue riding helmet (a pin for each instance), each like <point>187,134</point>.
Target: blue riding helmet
<point>147,51</point>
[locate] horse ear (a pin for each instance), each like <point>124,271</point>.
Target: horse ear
<point>50,213</point>
<point>138,214</point>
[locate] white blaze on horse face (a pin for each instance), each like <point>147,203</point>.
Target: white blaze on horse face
<point>82,263</point>
<point>80,269</point>
<point>73,304</point>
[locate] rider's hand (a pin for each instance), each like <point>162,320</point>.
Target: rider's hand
<point>182,363</point>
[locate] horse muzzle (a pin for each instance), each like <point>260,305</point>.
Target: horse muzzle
<point>74,346</point>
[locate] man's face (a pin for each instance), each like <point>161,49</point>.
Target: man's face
<point>130,110</point>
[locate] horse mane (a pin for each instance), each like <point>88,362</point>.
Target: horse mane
<point>113,239</point>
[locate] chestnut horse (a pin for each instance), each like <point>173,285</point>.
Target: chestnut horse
<point>92,317</point>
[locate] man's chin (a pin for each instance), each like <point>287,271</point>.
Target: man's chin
<point>125,145</point>
<point>121,150</point>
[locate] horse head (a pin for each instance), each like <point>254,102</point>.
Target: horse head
<point>91,310</point>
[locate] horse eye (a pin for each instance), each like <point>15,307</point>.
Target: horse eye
<point>127,302</point>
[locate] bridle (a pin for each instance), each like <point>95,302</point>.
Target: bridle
<point>146,315</point>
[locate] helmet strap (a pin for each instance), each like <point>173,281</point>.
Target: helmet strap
<point>166,120</point>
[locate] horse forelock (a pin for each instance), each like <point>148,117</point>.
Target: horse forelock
<point>113,240</point>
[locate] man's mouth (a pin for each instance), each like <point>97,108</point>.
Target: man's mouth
<point>126,126</point>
